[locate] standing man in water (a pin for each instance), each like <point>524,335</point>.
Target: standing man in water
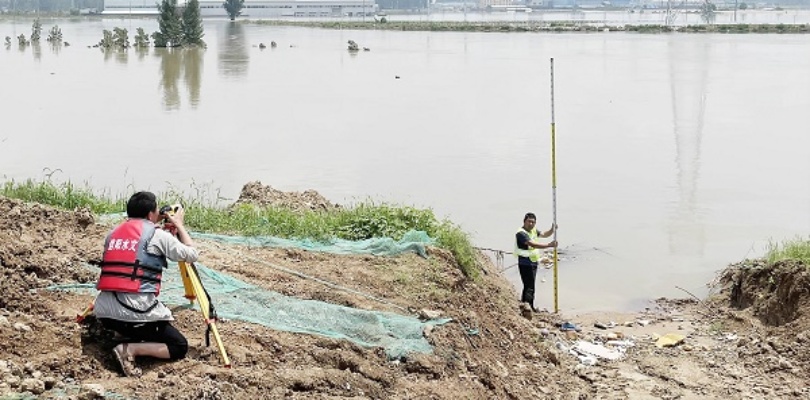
<point>528,251</point>
<point>135,254</point>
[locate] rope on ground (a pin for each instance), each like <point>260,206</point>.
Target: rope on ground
<point>701,302</point>
<point>305,276</point>
<point>499,256</point>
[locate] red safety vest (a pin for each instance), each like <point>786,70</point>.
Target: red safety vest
<point>125,265</point>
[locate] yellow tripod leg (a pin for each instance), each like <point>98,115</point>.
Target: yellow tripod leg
<point>193,286</point>
<point>189,288</point>
<point>87,311</point>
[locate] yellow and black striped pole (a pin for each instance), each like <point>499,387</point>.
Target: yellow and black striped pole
<point>554,186</point>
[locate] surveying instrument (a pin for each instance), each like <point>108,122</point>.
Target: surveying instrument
<point>194,290</point>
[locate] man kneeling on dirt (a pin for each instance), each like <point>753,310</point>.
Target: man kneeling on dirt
<point>135,255</point>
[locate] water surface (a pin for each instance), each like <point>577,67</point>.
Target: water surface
<point>676,154</point>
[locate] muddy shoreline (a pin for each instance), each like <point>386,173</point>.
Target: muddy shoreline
<point>749,341</point>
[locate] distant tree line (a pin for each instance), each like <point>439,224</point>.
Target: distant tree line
<point>20,6</point>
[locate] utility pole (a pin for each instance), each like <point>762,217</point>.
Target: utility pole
<point>735,11</point>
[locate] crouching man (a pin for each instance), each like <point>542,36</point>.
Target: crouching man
<point>135,254</point>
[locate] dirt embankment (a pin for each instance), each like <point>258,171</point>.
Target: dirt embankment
<point>488,351</point>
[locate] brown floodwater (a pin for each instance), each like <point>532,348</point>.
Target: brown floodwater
<point>676,154</point>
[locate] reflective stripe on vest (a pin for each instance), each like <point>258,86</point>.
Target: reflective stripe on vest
<point>530,253</point>
<point>125,265</point>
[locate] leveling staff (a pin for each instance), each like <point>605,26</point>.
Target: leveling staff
<point>135,255</point>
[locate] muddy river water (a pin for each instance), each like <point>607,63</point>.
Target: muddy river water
<point>676,154</point>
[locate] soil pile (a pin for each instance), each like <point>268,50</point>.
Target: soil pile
<point>488,351</point>
<point>257,194</point>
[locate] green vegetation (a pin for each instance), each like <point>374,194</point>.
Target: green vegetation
<point>179,26</point>
<point>234,8</point>
<point>170,25</point>
<point>55,35</point>
<point>538,26</point>
<point>66,196</point>
<point>36,31</point>
<point>192,24</point>
<point>797,249</point>
<point>364,220</point>
<point>708,12</point>
<point>141,39</point>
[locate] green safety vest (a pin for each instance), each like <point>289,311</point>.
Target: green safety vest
<point>531,254</point>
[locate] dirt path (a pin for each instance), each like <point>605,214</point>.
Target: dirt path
<point>488,351</point>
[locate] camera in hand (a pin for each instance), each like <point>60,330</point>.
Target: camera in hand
<point>169,210</point>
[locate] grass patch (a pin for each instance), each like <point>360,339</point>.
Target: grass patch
<point>797,249</point>
<point>364,220</point>
<point>66,195</point>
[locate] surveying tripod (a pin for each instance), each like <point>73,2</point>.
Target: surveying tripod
<point>194,290</point>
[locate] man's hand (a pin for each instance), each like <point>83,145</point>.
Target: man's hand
<point>550,231</point>
<point>552,244</point>
<point>177,218</point>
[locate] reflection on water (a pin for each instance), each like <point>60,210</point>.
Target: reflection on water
<point>56,48</point>
<point>120,56</point>
<point>36,50</point>
<point>233,51</point>
<point>192,72</point>
<point>173,63</point>
<point>688,68</point>
<point>141,53</point>
<point>169,75</point>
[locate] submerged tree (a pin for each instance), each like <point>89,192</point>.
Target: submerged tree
<point>141,39</point>
<point>55,35</point>
<point>121,38</point>
<point>234,8</point>
<point>36,31</point>
<point>192,24</point>
<point>107,41</point>
<point>170,25</point>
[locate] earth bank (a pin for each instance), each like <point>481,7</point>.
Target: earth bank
<point>750,340</point>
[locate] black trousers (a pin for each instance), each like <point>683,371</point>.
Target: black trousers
<point>151,332</point>
<point>528,275</point>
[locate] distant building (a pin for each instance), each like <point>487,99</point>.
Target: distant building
<point>255,8</point>
<point>402,4</point>
<point>487,3</point>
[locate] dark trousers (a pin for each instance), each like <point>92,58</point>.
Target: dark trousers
<point>151,332</point>
<point>528,275</point>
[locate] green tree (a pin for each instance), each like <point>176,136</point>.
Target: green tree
<point>55,35</point>
<point>708,12</point>
<point>107,41</point>
<point>743,6</point>
<point>121,38</point>
<point>36,31</point>
<point>141,39</point>
<point>192,24</point>
<point>170,25</point>
<point>233,7</point>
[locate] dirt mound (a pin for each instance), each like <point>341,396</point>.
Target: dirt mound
<point>39,246</point>
<point>257,194</point>
<point>488,351</point>
<point>771,303</point>
<point>777,294</point>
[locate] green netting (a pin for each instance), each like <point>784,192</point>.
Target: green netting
<point>238,300</point>
<point>413,241</point>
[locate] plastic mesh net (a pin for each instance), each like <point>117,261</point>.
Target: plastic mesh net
<point>238,300</point>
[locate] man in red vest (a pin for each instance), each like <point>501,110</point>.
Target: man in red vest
<point>135,254</point>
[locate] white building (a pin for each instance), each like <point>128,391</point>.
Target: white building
<point>254,8</point>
